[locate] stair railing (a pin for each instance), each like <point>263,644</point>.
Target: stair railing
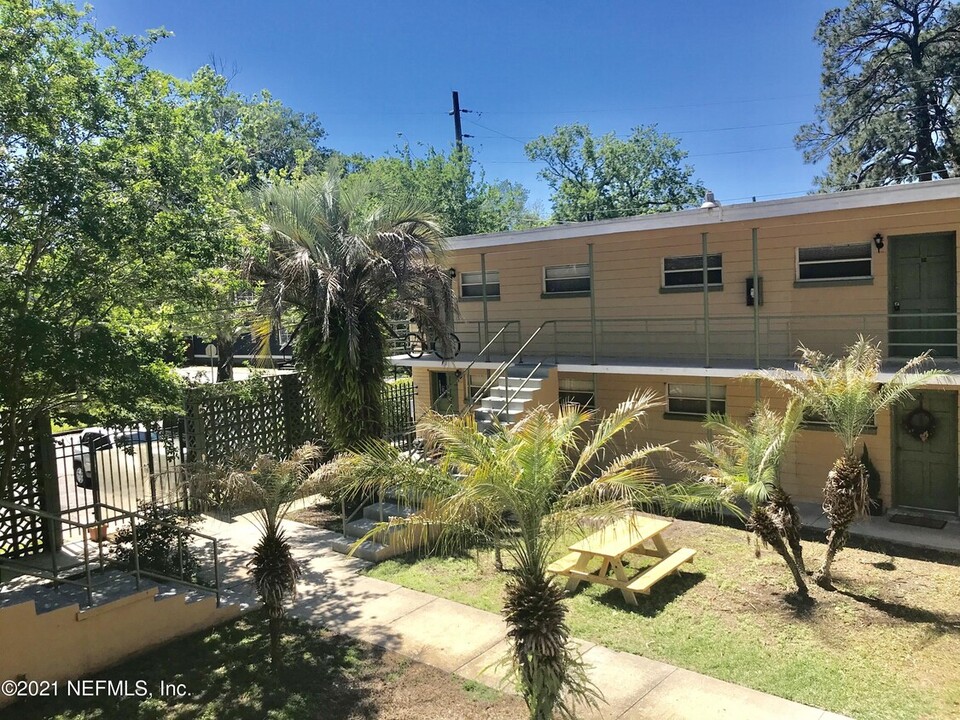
<point>471,402</point>
<point>523,384</point>
<point>484,353</point>
<point>58,574</point>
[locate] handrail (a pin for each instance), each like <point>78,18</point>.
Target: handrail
<point>120,514</point>
<point>466,371</point>
<point>504,366</point>
<point>510,399</point>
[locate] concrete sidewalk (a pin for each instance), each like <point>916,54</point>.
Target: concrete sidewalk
<point>469,642</point>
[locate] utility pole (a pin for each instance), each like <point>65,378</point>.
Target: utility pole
<point>456,112</point>
<point>456,120</point>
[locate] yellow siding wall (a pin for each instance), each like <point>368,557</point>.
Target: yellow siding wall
<point>805,465</point>
<point>67,643</point>
<point>628,274</point>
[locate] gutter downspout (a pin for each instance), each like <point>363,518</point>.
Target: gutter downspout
<point>486,324</point>
<point>706,321</point>
<point>593,306</point>
<point>756,313</point>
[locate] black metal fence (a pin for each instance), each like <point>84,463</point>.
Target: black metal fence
<point>70,473</point>
<point>118,466</point>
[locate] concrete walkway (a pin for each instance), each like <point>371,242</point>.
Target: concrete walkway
<point>469,642</point>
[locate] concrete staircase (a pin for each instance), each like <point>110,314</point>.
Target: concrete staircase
<point>513,395</point>
<point>386,544</point>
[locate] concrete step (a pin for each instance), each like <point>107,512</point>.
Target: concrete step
<point>369,550</point>
<point>515,383</point>
<point>501,405</point>
<point>502,393</point>
<point>386,510</point>
<point>522,371</point>
<point>488,415</point>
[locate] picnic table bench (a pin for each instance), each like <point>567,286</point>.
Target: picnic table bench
<point>610,544</point>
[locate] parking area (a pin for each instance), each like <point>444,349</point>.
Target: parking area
<point>118,467</point>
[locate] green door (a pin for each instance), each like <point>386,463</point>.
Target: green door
<point>443,392</point>
<point>923,295</point>
<point>927,468</point>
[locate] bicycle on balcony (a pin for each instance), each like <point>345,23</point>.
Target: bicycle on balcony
<point>416,344</point>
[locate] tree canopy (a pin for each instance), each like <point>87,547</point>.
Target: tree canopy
<point>888,101</point>
<point>112,194</point>
<point>463,202</point>
<point>594,178</point>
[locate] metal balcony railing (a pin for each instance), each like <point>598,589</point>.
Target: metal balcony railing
<point>732,339</point>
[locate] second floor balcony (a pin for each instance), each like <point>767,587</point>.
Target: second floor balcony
<point>735,342</point>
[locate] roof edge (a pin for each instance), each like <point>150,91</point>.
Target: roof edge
<point>820,202</point>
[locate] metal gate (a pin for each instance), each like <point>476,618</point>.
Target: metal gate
<point>120,467</point>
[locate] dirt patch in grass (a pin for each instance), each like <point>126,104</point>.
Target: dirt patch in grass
<point>324,515</point>
<point>884,646</point>
<point>226,673</point>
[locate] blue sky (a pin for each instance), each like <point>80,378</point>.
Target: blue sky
<point>733,79</point>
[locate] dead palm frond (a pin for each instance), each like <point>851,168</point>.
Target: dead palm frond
<point>847,393</point>
<point>344,261</point>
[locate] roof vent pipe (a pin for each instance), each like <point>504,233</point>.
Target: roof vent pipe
<point>709,202</point>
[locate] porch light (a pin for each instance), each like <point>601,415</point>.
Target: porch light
<point>709,201</point>
<point>878,241</point>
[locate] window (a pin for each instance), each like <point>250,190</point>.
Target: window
<point>835,262</point>
<point>471,284</point>
<point>687,271</point>
<point>476,380</point>
<point>817,421</point>
<point>559,279</point>
<point>692,399</point>
<point>577,392</point>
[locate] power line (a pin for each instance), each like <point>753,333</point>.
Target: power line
<point>627,135</point>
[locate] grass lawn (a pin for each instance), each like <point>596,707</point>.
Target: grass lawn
<point>226,673</point>
<point>885,645</point>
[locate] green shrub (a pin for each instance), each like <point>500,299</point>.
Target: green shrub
<point>158,548</point>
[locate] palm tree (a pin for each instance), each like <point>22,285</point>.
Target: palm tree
<point>847,394</point>
<point>529,484</point>
<point>745,458</point>
<point>266,488</point>
<point>342,261</point>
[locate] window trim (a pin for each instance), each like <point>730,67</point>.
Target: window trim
<point>674,414</point>
<point>691,286</point>
<point>591,403</point>
<point>567,293</point>
<point>836,279</point>
<point>480,283</point>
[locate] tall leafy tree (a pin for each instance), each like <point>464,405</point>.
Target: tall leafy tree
<point>888,102</point>
<point>531,483</point>
<point>464,203</point>
<point>275,138</point>
<point>594,178</point>
<point>112,194</point>
<point>342,261</point>
<point>846,392</point>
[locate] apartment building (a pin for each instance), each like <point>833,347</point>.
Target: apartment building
<point>690,303</point>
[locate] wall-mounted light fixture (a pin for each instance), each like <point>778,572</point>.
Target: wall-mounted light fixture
<point>452,272</point>
<point>878,241</point>
<point>709,201</point>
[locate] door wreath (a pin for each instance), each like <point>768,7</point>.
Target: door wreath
<point>920,424</point>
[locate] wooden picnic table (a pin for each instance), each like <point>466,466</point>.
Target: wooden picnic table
<point>610,544</point>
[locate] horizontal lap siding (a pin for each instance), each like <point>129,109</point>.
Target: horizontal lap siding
<point>628,276</point>
<point>805,465</point>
